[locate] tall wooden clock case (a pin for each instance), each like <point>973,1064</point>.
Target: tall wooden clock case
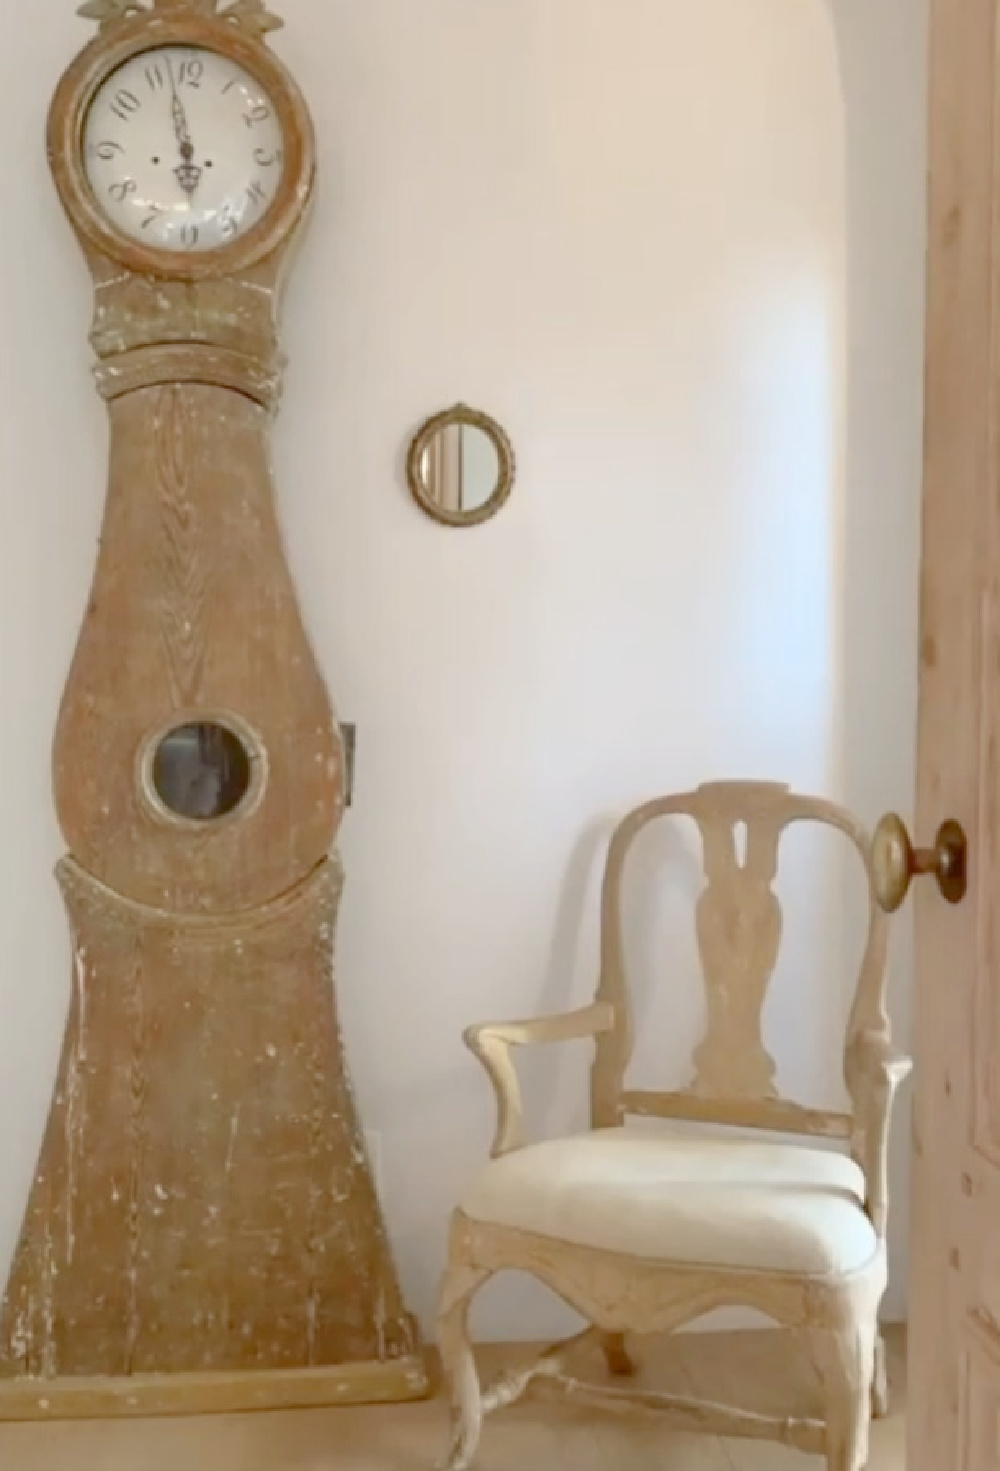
<point>202,1232</point>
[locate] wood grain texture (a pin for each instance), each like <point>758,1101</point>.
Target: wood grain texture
<point>203,1206</point>
<point>955,1279</point>
<point>832,1319</point>
<point>194,610</point>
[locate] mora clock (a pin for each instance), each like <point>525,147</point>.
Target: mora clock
<point>202,1232</point>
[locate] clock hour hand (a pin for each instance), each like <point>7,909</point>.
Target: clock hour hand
<point>188,173</point>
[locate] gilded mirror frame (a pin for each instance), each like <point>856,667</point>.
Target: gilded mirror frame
<point>461,414</point>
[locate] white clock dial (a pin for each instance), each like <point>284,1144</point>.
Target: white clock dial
<point>183,149</point>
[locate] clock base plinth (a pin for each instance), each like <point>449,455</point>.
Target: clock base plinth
<point>169,1395</point>
<point>203,1226</point>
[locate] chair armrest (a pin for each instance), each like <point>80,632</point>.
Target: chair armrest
<point>875,1070</point>
<point>493,1043</point>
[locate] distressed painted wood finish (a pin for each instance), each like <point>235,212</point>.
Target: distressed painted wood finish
<point>203,1206</point>
<point>954,1422</point>
<point>833,1320</point>
<point>193,610</point>
<point>203,1201</point>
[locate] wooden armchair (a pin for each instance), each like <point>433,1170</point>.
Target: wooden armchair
<point>642,1231</point>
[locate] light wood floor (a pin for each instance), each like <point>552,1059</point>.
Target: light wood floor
<point>535,1436</point>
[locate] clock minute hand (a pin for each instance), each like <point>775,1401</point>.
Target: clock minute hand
<point>182,130</point>
<point>188,174</point>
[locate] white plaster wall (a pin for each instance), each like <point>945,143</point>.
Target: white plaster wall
<point>655,240</point>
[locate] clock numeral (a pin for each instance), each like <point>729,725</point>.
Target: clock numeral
<point>229,225</point>
<point>191,72</point>
<point>120,192</point>
<point>154,76</point>
<point>230,85</point>
<point>155,210</point>
<point>258,114</point>
<point>106,151</point>
<point>257,194</point>
<point>125,104</point>
<point>189,236</point>
<point>266,160</point>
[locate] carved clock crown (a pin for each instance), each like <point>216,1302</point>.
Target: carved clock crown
<point>252,15</point>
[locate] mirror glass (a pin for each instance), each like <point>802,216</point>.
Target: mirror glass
<point>202,772</point>
<point>461,469</point>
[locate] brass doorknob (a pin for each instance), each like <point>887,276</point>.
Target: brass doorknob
<point>896,863</point>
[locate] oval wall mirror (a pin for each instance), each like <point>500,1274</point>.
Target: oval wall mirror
<point>461,467</point>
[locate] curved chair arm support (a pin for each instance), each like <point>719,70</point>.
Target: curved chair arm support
<point>875,1071</point>
<point>493,1045</point>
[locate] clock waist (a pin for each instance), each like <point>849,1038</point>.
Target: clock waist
<point>190,362</point>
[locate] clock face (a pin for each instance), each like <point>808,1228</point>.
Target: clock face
<point>183,150</point>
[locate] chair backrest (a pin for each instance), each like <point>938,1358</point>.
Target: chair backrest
<point>739,927</point>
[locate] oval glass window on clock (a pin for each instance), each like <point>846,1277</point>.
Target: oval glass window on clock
<point>183,149</point>
<point>202,772</point>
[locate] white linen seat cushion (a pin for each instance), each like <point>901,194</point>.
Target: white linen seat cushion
<point>715,1201</point>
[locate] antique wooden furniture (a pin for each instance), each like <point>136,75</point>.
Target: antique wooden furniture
<point>461,467</point>
<point>202,1232</point>
<point>644,1231</point>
